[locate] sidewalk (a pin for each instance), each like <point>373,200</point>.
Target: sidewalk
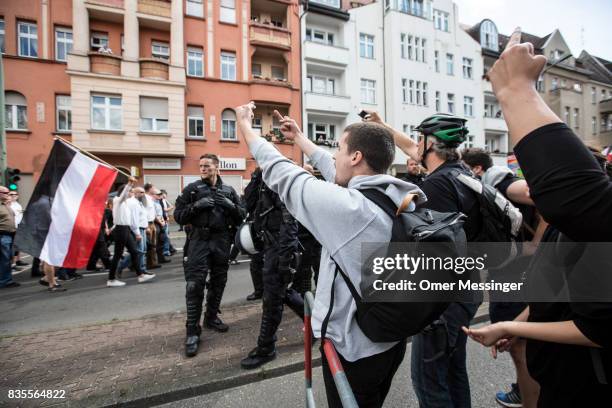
<point>140,362</point>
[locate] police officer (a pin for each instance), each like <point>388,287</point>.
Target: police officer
<point>279,230</point>
<point>212,208</point>
<point>251,198</point>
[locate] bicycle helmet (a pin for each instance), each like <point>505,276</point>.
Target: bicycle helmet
<point>450,130</point>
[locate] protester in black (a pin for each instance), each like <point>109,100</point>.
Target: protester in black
<point>413,172</point>
<point>251,197</point>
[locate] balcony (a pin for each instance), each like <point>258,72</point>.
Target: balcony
<point>495,124</point>
<point>102,63</point>
<point>159,8</point>
<point>328,103</point>
<point>271,91</point>
<point>270,36</point>
<point>107,3</point>
<point>605,106</point>
<point>328,54</point>
<point>152,68</point>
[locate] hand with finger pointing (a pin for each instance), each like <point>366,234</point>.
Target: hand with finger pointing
<point>244,114</point>
<point>288,127</point>
<point>517,68</point>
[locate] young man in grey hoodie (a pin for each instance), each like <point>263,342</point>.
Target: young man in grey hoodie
<point>341,219</point>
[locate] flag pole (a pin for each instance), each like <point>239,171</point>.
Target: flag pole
<point>92,156</point>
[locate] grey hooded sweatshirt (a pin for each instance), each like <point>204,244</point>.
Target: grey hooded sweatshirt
<point>341,219</point>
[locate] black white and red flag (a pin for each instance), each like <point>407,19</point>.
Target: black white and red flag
<point>63,217</point>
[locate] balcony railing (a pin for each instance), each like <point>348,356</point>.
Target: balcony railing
<point>109,3</point>
<point>605,106</point>
<point>159,8</point>
<point>103,63</point>
<point>153,68</point>
<point>269,35</point>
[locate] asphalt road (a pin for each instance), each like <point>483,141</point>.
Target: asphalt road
<point>487,376</point>
<point>30,308</point>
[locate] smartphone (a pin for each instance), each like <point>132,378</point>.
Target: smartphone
<point>363,114</point>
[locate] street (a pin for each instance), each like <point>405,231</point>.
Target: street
<point>487,376</point>
<point>31,309</point>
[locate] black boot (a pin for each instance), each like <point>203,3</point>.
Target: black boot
<point>191,345</point>
<point>255,296</point>
<point>215,323</point>
<point>258,357</point>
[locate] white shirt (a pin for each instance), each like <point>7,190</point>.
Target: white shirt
<point>138,212</point>
<point>18,210</point>
<point>122,215</point>
<point>150,207</point>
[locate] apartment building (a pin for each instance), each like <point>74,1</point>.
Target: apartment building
<point>578,90</point>
<point>148,85</point>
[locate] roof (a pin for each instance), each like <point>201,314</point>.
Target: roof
<point>538,42</point>
<point>601,69</point>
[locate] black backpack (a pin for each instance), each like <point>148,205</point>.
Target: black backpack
<point>395,321</point>
<point>501,220</point>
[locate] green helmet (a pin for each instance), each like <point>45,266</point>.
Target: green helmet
<point>450,130</point>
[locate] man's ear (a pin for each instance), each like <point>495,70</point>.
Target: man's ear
<point>356,157</point>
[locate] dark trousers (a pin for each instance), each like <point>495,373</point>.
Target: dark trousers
<point>207,254</point>
<point>275,296</point>
<point>124,238</point>
<point>161,238</point>
<point>256,268</point>
<point>152,246</point>
<point>311,258</point>
<point>99,251</point>
<point>370,377</point>
<point>438,363</point>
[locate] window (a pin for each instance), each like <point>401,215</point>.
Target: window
<point>228,11</point>
<point>366,46</point>
<point>440,19</point>
<point>410,47</point>
<point>418,92</point>
<point>195,122</point>
<point>423,50</point>
<point>63,113</point>
<point>404,6</point>
<point>160,50</point>
<point>153,114</point>
<point>228,125</point>
<point>467,68</point>
<point>578,87</point>
<point>63,43</point>
<point>15,111</point>
<point>566,115</point>
<point>195,8</point>
<point>425,96</point>
<point>451,102</point>
<point>98,40</point>
<point>593,95</point>
<point>256,70</point>
<point>576,118</point>
<point>368,91</point>
<point>489,36</point>
<point>28,39</point>
<point>437,101</point>
<point>2,35</point>
<point>556,54</point>
<point>106,112</point>
<point>417,48</point>
<point>228,66</point>
<point>563,83</point>
<point>554,83</point>
<point>321,132</point>
<point>411,91</point>
<point>257,124</point>
<point>603,94</point>
<point>594,125</point>
<point>449,64</point>
<point>321,85</point>
<point>417,7</point>
<point>468,106</point>
<point>278,73</point>
<point>540,84</point>
<point>403,45</point>
<point>404,90</point>
<point>195,61</point>
<point>437,61</point>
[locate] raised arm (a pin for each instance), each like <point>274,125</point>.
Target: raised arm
<point>402,140</point>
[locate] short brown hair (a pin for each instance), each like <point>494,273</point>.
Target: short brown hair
<point>374,141</point>
<point>212,157</point>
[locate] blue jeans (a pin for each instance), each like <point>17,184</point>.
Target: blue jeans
<point>438,362</point>
<point>166,240</point>
<point>142,250</point>
<point>6,253</point>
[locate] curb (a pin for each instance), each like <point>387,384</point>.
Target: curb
<point>246,377</point>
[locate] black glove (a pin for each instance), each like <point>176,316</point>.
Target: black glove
<point>224,202</point>
<point>204,203</point>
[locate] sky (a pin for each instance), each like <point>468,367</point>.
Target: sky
<point>585,24</point>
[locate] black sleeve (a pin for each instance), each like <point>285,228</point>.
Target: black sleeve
<point>569,188</point>
<point>594,321</point>
<point>251,192</point>
<point>441,195</point>
<point>503,185</point>
<point>182,209</point>
<point>288,237</point>
<point>238,213</point>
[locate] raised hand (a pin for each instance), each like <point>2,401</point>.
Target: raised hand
<point>517,68</point>
<point>372,116</point>
<point>244,113</point>
<point>289,127</point>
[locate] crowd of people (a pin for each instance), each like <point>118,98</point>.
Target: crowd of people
<point>304,227</point>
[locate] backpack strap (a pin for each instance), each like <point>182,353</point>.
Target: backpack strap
<point>380,199</point>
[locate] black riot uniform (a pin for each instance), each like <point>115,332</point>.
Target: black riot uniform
<point>279,229</point>
<point>251,198</point>
<point>211,211</point>
<point>310,260</point>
